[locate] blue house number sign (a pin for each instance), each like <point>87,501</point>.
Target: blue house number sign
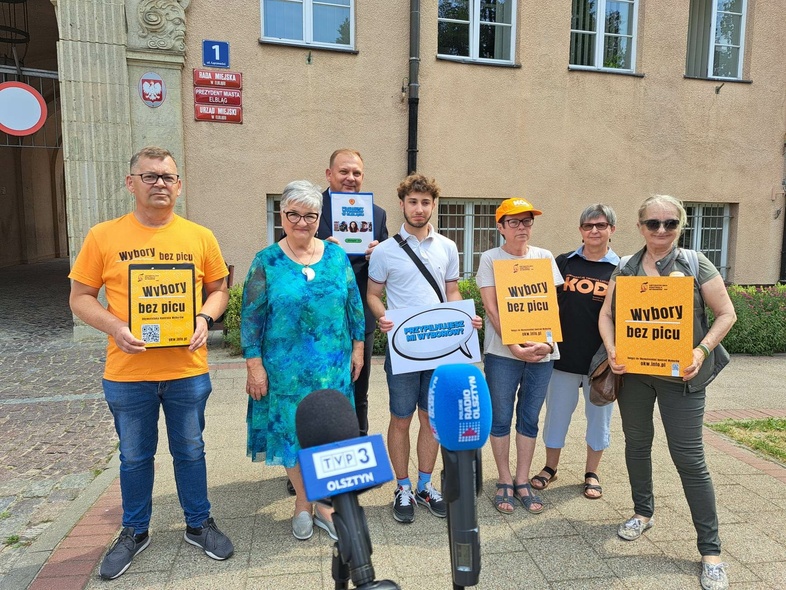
<point>215,54</point>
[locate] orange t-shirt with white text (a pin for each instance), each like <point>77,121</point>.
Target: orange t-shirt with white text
<point>109,248</point>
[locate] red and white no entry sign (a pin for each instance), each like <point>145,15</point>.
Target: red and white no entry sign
<point>22,109</point>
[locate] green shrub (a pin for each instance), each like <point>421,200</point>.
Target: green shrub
<point>232,320</point>
<point>380,339</point>
<point>468,289</point>
<point>761,320</point>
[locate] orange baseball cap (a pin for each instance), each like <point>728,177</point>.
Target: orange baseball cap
<point>514,206</point>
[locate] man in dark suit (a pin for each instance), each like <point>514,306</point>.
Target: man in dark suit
<point>345,175</point>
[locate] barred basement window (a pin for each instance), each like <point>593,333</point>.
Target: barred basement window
<point>708,232</point>
<point>472,225</point>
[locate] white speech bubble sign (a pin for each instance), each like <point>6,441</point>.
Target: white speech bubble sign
<point>426,336</point>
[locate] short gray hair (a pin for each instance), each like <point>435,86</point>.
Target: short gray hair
<point>303,193</point>
<point>665,200</point>
<point>150,152</point>
<point>597,210</point>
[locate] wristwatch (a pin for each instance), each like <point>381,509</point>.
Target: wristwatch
<point>207,318</point>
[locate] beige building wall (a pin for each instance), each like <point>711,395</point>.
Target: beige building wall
<point>561,138</point>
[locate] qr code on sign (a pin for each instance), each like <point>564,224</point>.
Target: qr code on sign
<point>151,333</point>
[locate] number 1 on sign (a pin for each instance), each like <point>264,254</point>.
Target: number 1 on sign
<point>215,48</point>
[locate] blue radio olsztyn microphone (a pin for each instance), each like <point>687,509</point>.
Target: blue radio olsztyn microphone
<point>459,409</point>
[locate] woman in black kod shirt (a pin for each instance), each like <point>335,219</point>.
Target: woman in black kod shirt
<point>586,272</point>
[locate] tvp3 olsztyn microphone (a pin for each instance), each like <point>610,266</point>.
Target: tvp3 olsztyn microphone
<point>336,464</point>
<point>459,410</point>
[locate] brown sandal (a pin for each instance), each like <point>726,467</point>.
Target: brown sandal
<point>541,483</point>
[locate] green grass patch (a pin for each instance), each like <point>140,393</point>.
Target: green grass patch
<point>767,436</point>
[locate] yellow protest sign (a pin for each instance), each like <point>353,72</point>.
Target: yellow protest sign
<point>161,303</point>
<point>527,301</point>
<point>654,324</point>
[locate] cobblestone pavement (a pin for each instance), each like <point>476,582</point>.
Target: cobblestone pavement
<point>56,433</point>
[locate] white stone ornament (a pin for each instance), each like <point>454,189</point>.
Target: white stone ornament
<point>309,272</point>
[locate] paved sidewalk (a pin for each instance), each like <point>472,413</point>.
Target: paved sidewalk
<point>571,545</point>
<point>56,432</point>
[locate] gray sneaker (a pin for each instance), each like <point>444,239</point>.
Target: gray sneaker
<point>632,529</point>
<point>303,526</point>
<point>214,543</point>
<point>120,554</point>
<point>713,576</point>
<point>325,524</point>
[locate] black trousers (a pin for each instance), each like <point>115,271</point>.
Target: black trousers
<point>682,415</point>
<point>361,385</point>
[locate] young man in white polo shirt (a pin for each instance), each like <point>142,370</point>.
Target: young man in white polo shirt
<point>391,269</point>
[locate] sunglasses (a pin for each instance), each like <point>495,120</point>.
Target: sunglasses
<point>600,226</point>
<point>667,224</point>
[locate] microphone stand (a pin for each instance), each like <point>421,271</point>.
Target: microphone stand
<point>352,551</point>
<point>461,474</point>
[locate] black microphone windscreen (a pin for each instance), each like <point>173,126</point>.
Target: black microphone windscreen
<point>325,416</point>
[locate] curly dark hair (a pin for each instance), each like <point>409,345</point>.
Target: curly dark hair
<point>417,183</point>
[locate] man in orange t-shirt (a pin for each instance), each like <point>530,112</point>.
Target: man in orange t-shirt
<point>140,378</point>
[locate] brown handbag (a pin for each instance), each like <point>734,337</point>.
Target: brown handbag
<point>604,385</point>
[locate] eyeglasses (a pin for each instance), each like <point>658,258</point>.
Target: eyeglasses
<point>514,223</point>
<point>600,226</point>
<point>294,217</point>
<point>152,178</point>
<point>667,224</point>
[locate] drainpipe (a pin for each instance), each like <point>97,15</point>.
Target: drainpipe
<point>782,278</point>
<point>414,85</point>
<point>783,246</point>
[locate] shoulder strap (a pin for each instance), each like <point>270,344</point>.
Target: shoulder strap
<point>693,261</point>
<point>421,267</point>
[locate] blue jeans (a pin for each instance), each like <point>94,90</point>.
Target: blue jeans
<point>505,378</point>
<point>134,406</point>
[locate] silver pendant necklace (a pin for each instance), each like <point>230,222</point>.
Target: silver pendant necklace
<point>307,271</point>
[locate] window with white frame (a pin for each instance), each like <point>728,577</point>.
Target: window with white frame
<point>472,225</point>
<point>321,23</point>
<point>716,38</point>
<point>603,34</point>
<point>476,30</point>
<point>275,230</point>
<point>707,231</point>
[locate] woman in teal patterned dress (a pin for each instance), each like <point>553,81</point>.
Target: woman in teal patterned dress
<point>302,329</point>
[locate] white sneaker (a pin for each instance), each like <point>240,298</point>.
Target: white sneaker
<point>713,576</point>
<point>632,529</point>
